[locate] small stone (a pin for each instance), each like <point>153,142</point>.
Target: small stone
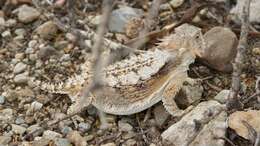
<point>18,129</point>
<point>27,14</point>
<point>198,124</point>
<point>75,138</point>
<point>221,48</point>
<point>65,130</point>
<point>222,96</point>
<point>32,43</point>
<point>52,135</point>
<point>160,114</point>
<point>19,67</point>
<point>176,3</point>
<point>6,115</point>
<point>190,92</point>
<point>21,78</point>
<point>19,121</point>
<point>108,144</point>
<point>65,57</point>
<point>123,126</point>
<point>62,142</point>
<point>29,50</point>
<point>71,37</point>
<point>130,142</point>
<point>89,137</point>
<point>46,52</point>
<point>96,20</point>
<point>20,31</point>
<point>47,30</point>
<point>83,127</point>
<point>6,34</point>
<point>256,51</point>
<point>19,56</point>
<point>2,21</point>
<point>121,16</point>
<point>11,23</point>
<point>36,106</point>
<point>33,128</point>
<point>5,140</point>
<point>2,99</point>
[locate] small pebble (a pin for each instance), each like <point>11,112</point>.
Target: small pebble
<point>83,127</point>
<point>62,142</point>
<point>48,134</point>
<point>65,130</point>
<point>19,67</point>
<point>19,121</point>
<point>21,78</point>
<point>123,126</point>
<point>18,129</point>
<point>27,14</point>
<point>2,99</point>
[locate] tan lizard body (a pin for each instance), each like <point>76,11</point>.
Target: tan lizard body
<point>141,80</point>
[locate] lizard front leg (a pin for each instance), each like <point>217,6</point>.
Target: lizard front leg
<point>79,103</point>
<point>170,92</point>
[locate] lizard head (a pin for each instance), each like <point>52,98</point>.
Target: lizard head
<point>185,36</point>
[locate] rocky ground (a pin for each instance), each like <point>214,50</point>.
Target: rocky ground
<point>33,46</point>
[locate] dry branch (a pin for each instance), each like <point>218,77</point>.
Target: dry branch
<point>233,100</point>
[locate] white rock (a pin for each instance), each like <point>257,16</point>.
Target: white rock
<point>18,129</point>
<point>194,123</point>
<point>21,78</point>
<point>2,99</point>
<point>251,117</point>
<point>6,115</point>
<point>27,14</point>
<point>222,96</point>
<point>176,3</point>
<point>19,67</point>
<point>36,106</point>
<point>6,34</point>
<point>52,135</point>
<point>2,21</point>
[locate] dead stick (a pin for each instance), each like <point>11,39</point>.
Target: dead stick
<point>233,101</point>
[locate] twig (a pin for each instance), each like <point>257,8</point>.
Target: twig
<point>233,102</point>
<point>99,61</point>
<point>218,89</point>
<point>141,129</point>
<point>228,140</point>
<point>257,141</point>
<point>257,88</point>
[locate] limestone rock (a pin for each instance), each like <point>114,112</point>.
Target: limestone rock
<point>193,127</point>
<point>235,122</point>
<point>27,14</point>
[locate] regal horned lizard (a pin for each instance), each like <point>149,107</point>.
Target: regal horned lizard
<point>141,80</point>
